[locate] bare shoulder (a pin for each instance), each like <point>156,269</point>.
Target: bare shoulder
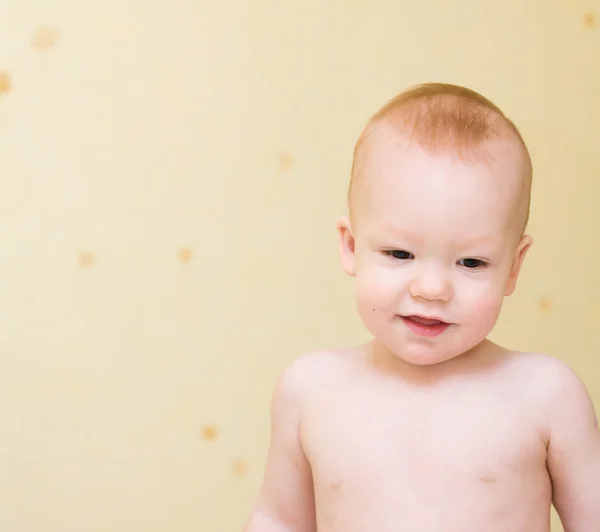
<point>545,373</point>
<point>309,372</point>
<point>553,385</point>
<point>315,364</point>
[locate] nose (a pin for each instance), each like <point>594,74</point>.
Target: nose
<point>431,283</point>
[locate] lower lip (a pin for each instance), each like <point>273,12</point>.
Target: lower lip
<point>425,330</point>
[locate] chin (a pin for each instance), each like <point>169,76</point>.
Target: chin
<point>422,354</point>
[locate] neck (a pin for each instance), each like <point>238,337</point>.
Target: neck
<point>387,362</point>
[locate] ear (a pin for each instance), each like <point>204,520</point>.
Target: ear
<point>522,249</point>
<point>346,242</point>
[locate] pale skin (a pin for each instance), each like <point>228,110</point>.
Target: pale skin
<point>413,433</point>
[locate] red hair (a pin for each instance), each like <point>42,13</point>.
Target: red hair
<point>441,117</point>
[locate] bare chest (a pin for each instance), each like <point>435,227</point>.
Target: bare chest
<point>411,450</point>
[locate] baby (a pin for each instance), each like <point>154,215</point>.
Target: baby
<point>431,427</point>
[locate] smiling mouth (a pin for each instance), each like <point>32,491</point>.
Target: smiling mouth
<point>426,321</point>
<point>428,327</point>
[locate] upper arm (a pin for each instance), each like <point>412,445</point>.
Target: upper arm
<point>574,453</point>
<point>286,498</point>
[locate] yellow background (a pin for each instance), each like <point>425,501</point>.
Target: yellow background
<point>171,173</point>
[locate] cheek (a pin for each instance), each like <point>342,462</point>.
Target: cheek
<point>376,291</point>
<point>484,301</point>
<point>374,303</point>
<point>370,290</point>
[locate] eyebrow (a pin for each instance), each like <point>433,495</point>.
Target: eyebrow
<point>395,232</point>
<point>411,237</point>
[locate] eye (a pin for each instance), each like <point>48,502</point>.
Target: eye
<point>398,254</point>
<point>472,264</point>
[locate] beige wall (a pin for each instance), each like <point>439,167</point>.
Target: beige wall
<point>171,172</point>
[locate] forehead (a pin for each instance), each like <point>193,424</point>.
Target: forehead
<point>407,188</point>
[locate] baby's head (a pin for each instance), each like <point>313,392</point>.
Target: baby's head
<point>438,205</point>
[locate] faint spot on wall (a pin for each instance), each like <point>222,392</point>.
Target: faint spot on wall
<point>239,468</point>
<point>185,255</point>
<point>209,433</point>
<point>44,38</point>
<point>545,304</point>
<point>86,259</point>
<point>5,82</point>
<point>282,163</point>
<point>589,20</point>
<point>285,161</point>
